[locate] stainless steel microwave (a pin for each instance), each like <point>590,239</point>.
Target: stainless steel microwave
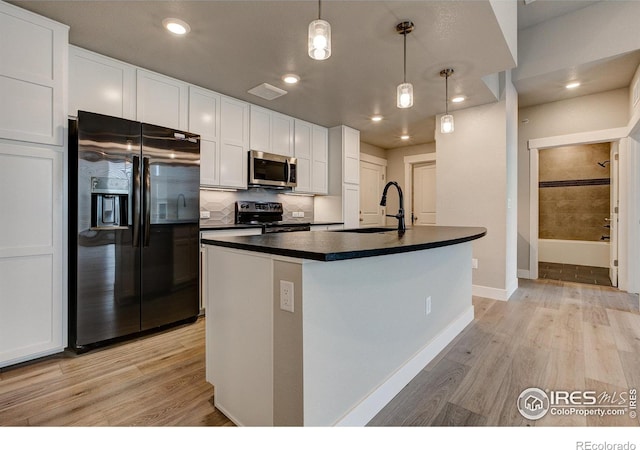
<point>270,170</point>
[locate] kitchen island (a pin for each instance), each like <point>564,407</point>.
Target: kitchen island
<point>324,328</point>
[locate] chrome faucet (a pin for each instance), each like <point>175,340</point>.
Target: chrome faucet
<point>184,204</point>
<point>400,215</point>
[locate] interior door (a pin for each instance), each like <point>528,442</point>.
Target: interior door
<point>424,194</point>
<point>613,216</point>
<point>372,179</point>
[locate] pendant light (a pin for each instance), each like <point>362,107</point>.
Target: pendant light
<point>319,38</point>
<point>446,121</point>
<point>405,90</point>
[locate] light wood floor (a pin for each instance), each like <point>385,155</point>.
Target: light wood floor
<point>158,380</point>
<point>551,334</point>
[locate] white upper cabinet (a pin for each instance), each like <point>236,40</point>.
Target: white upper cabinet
<point>234,142</point>
<point>204,119</point>
<point>100,84</point>
<point>271,132</point>
<point>260,129</point>
<point>311,150</point>
<point>281,134</point>
<point>303,154</point>
<point>320,160</point>
<point>162,100</point>
<point>33,62</point>
<point>351,154</point>
<point>204,113</point>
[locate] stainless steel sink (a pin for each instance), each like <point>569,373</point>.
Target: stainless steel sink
<point>367,230</point>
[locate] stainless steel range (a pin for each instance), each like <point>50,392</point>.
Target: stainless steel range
<point>267,214</point>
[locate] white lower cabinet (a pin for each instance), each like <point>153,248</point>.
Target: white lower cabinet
<point>212,234</point>
<point>32,257</point>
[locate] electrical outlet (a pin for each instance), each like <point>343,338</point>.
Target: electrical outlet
<point>294,214</point>
<point>205,214</point>
<point>474,263</point>
<point>427,306</point>
<point>300,213</point>
<point>286,295</point>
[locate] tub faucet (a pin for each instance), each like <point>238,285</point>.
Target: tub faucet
<point>400,215</point>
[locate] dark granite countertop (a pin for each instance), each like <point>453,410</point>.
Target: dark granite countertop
<point>230,226</point>
<point>238,226</point>
<point>340,245</point>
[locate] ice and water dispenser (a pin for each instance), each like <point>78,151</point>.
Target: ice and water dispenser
<point>109,203</point>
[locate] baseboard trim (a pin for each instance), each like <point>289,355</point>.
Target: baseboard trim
<point>366,410</point>
<point>524,273</point>
<point>495,293</point>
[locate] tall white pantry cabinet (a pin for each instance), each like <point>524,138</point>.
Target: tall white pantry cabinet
<point>33,129</point>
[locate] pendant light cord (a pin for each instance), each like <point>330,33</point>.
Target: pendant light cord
<point>405,56</point>
<point>319,9</point>
<point>446,93</point>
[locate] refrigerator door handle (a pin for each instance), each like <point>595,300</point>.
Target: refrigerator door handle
<point>147,200</point>
<point>136,201</point>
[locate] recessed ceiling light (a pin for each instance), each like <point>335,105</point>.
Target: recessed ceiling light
<point>458,99</point>
<point>291,78</point>
<point>573,85</point>
<point>176,26</point>
<point>376,118</point>
<point>405,137</point>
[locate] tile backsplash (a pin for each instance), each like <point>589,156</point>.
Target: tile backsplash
<point>221,205</point>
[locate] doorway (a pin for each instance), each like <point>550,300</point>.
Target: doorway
<point>420,181</point>
<point>596,232</point>
<point>373,176</point>
<point>424,194</point>
<point>576,224</point>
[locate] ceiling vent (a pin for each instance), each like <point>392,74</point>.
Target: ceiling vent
<point>266,91</point>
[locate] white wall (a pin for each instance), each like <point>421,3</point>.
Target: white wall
<point>581,114</point>
<point>578,38</point>
<point>372,150</point>
<point>473,187</point>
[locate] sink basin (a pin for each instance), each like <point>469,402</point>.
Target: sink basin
<point>367,230</point>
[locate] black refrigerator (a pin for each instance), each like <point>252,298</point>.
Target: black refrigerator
<point>133,228</point>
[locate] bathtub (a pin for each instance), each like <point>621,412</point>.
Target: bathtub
<point>583,253</point>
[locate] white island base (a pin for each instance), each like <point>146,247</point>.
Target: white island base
<point>361,329</point>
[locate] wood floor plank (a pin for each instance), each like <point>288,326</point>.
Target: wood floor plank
<point>478,390</point>
<point>420,401</point>
<point>602,362</point>
<point>455,416</point>
<point>527,369</point>
<point>565,371</point>
<point>613,392</point>
<point>626,330</point>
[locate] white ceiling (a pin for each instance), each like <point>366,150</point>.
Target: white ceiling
<point>236,45</point>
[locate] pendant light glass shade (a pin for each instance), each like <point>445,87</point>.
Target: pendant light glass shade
<point>319,39</point>
<point>446,124</point>
<point>446,121</point>
<point>405,95</point>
